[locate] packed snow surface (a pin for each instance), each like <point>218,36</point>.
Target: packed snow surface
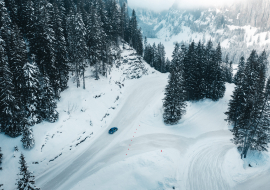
<point>77,152</point>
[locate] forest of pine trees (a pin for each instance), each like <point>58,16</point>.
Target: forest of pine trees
<point>249,108</point>
<point>155,57</point>
<point>196,72</point>
<point>42,41</point>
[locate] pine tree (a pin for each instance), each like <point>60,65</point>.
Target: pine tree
<point>198,73</point>
<point>80,48</point>
<point>167,65</point>
<point>257,134</point>
<point>209,76</point>
<point>240,72</point>
<point>190,73</point>
<point>12,7</point>
<point>48,103</point>
<point>261,133</point>
<point>10,120</point>
<point>28,137</point>
<point>96,42</point>
<point>26,179</point>
<point>44,46</point>
<point>218,85</point>
<point>32,92</point>
<point>61,77</point>
<point>139,44</point>
<point>123,20</point>
<point>252,104</point>
<point>174,101</point>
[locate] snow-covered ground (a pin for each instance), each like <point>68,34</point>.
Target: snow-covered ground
<point>144,153</point>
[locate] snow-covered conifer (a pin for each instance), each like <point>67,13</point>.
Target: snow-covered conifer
<point>26,179</point>
<point>32,92</point>
<point>174,102</point>
<point>27,137</point>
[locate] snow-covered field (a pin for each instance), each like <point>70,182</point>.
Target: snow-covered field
<point>77,152</point>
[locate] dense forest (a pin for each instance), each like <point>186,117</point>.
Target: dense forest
<point>42,42</point>
<point>249,108</point>
<point>196,72</point>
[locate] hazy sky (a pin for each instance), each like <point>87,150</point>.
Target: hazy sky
<point>159,5</point>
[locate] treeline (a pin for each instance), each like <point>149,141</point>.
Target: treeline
<point>155,56</point>
<point>196,72</point>
<point>41,41</point>
<point>249,108</point>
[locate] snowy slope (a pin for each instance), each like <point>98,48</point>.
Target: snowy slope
<point>217,24</point>
<point>144,153</point>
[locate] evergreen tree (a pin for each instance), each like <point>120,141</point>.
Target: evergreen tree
<point>48,103</point>
<point>139,45</point>
<point>61,77</point>
<point>12,7</point>
<point>190,72</point>
<point>77,43</point>
<point>198,73</point>
<point>174,101</point>
<point>251,106</point>
<point>240,72</point>
<point>28,137</point>
<point>32,93</point>
<point>209,69</point>
<point>218,84</point>
<point>230,73</point>
<point>45,39</point>
<point>10,120</point>
<point>167,65</point>
<point>257,136</point>
<point>26,179</point>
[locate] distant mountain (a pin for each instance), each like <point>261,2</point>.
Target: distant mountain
<point>251,12</point>
<point>239,27</point>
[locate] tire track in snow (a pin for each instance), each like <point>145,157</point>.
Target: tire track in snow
<point>204,169</point>
<point>66,174</point>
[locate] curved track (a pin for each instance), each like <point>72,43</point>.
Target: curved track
<point>204,168</point>
<point>65,175</point>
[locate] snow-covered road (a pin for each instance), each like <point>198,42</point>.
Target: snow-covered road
<point>105,148</point>
<point>205,160</point>
<point>194,152</point>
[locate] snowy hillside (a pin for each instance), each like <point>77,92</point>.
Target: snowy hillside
<point>239,34</point>
<point>77,152</point>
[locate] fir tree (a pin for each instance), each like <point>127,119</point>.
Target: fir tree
<point>27,137</point>
<point>48,103</point>
<point>32,92</point>
<point>26,179</point>
<point>167,65</point>
<point>174,101</point>
<point>209,76</point>
<point>240,72</point>
<point>190,73</point>
<point>250,106</point>
<point>10,120</point>
<point>218,85</point>
<point>61,77</point>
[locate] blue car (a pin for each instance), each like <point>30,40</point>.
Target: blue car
<point>113,130</point>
